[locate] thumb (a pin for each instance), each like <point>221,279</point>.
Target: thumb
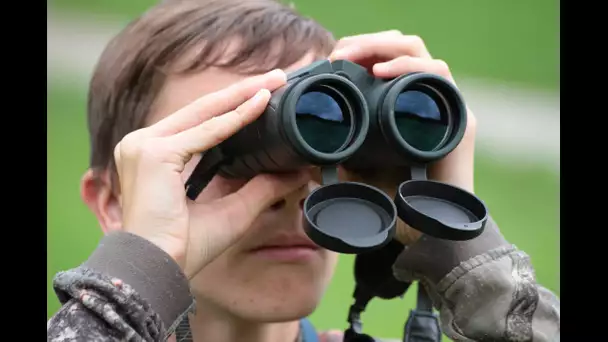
<point>331,336</point>
<point>236,212</point>
<point>264,190</point>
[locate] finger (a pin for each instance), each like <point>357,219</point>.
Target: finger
<point>407,64</point>
<point>212,132</point>
<point>331,336</point>
<point>346,41</point>
<point>242,207</point>
<point>129,145</point>
<point>264,190</point>
<point>218,102</point>
<point>385,47</point>
<point>233,215</point>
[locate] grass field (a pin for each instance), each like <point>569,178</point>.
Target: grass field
<point>506,40</point>
<point>523,201</point>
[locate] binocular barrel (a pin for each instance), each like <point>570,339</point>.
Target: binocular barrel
<point>336,113</point>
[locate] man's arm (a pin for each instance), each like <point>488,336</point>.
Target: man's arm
<point>485,288</point>
<point>128,289</point>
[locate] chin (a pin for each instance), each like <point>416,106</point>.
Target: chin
<point>264,292</point>
<point>272,309</point>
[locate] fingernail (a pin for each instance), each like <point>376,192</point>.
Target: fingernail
<point>260,95</point>
<point>277,73</point>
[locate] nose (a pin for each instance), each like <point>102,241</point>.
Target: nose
<point>295,200</point>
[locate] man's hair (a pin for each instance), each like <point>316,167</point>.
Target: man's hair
<point>186,36</point>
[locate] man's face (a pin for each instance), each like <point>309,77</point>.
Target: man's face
<point>272,273</point>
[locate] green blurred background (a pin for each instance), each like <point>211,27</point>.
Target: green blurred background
<point>506,42</point>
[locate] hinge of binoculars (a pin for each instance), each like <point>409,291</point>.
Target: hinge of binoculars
<point>329,174</point>
<point>418,172</point>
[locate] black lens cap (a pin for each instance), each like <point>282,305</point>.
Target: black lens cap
<point>441,210</point>
<point>349,217</point>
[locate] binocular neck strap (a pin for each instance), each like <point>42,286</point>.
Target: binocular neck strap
<point>204,171</point>
<point>423,324</point>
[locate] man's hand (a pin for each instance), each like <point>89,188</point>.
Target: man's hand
<point>151,160</point>
<point>390,54</point>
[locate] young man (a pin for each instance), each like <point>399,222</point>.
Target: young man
<point>235,265</point>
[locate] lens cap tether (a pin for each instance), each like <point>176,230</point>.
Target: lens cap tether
<point>348,217</point>
<point>439,209</point>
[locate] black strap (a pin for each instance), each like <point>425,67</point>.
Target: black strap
<point>423,324</point>
<point>204,171</point>
<point>423,300</point>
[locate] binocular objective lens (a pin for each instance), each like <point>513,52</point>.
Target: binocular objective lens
<point>324,119</point>
<point>420,121</point>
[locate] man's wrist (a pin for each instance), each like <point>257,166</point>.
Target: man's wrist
<point>147,269</point>
<point>177,254</point>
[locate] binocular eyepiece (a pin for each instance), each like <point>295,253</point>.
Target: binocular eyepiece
<point>336,113</point>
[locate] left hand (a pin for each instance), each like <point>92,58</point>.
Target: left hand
<point>387,55</point>
<point>331,336</point>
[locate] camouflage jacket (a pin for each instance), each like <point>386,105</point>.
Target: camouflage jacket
<point>130,290</point>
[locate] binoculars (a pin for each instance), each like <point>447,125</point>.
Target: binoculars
<point>337,113</point>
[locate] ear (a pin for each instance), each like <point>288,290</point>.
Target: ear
<point>96,192</point>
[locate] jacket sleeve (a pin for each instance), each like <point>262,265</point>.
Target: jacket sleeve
<point>128,289</point>
<point>485,289</point>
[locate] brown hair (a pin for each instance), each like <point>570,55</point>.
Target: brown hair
<point>184,36</point>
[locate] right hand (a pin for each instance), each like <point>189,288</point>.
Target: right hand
<point>151,160</point>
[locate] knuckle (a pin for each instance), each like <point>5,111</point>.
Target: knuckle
<point>133,147</point>
<point>471,124</point>
<point>442,67</point>
<point>117,153</point>
<point>238,116</point>
<point>148,150</point>
<point>417,41</point>
<point>129,145</point>
<point>210,131</point>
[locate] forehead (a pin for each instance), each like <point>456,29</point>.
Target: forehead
<point>180,90</point>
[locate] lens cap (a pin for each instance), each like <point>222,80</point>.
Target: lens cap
<point>441,210</point>
<point>349,217</point>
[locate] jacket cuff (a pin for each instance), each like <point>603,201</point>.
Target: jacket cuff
<point>432,258</point>
<point>147,269</point>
